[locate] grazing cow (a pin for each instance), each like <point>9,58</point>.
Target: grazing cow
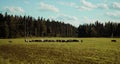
<point>58,41</point>
<point>36,40</point>
<point>63,40</point>
<point>113,41</point>
<point>26,40</point>
<point>30,40</point>
<point>69,40</point>
<point>40,40</point>
<point>45,41</point>
<point>52,40</point>
<point>10,41</point>
<point>81,41</point>
<point>75,40</point>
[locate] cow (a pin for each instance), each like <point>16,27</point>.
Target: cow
<point>75,40</point>
<point>81,41</point>
<point>113,41</point>
<point>26,40</point>
<point>10,41</point>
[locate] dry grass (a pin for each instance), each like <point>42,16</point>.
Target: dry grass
<point>91,51</point>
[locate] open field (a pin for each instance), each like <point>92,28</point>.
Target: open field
<point>90,51</point>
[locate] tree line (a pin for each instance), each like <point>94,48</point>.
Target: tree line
<point>13,26</point>
<point>108,29</point>
<point>27,26</point>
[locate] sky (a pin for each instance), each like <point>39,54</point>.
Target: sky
<point>74,12</point>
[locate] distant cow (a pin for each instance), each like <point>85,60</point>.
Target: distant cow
<point>26,40</point>
<point>75,40</point>
<point>10,41</point>
<point>113,41</point>
<point>81,41</point>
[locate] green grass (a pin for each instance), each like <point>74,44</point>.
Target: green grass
<point>91,51</point>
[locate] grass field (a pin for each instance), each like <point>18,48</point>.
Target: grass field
<point>90,51</point>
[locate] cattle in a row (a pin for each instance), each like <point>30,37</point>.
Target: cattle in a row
<point>52,40</point>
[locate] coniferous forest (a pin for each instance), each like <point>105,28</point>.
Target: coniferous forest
<point>13,26</point>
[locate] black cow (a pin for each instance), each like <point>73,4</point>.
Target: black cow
<point>81,41</point>
<point>113,41</point>
<point>10,41</point>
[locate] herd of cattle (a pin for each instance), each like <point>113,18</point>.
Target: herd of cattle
<point>70,40</point>
<point>53,40</point>
<point>74,40</point>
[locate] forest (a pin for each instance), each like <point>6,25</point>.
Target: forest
<point>14,26</point>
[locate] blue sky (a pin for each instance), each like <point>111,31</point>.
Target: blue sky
<point>74,12</point>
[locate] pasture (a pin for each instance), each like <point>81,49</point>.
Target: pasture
<point>89,51</point>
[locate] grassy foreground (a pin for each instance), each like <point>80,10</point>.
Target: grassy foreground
<point>91,51</point>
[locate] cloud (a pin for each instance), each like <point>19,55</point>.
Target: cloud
<point>115,15</point>
<point>84,8</point>
<point>87,5</point>
<point>103,6</point>
<point>47,7</point>
<point>88,20</point>
<point>116,5</point>
<point>90,6</point>
<point>13,9</point>
<point>67,19</point>
<point>71,4</point>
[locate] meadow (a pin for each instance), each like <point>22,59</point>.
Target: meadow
<point>90,51</point>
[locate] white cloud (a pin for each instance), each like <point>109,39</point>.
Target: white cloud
<point>84,8</point>
<point>103,6</point>
<point>115,15</point>
<point>68,19</point>
<point>116,5</point>
<point>90,6</point>
<point>47,7</point>
<point>13,9</point>
<point>71,4</point>
<point>88,20</point>
<point>87,5</point>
